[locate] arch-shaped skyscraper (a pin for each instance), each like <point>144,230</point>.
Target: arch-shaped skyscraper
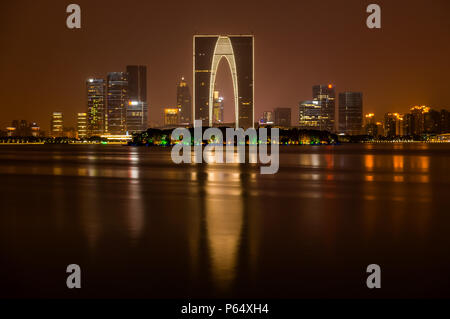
<point>238,50</point>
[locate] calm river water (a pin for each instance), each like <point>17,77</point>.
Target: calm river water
<point>141,226</point>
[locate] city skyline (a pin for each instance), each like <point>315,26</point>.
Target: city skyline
<point>319,114</point>
<point>224,158</point>
<point>419,121</point>
<point>392,80</point>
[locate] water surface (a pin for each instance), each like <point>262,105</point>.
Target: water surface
<point>141,226</point>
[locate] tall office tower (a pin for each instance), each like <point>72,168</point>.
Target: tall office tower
<point>209,50</point>
<point>370,125</point>
<point>380,129</point>
<point>57,125</point>
<point>268,117</point>
<point>350,112</point>
<point>283,116</point>
<point>408,124</point>
<point>137,82</point>
<point>417,119</point>
<point>309,115</point>
<point>82,125</point>
<point>136,117</point>
<point>184,102</point>
<point>218,108</point>
<point>393,124</point>
<point>117,102</point>
<point>171,116</point>
<point>137,106</point>
<point>96,107</point>
<point>369,119</point>
<point>325,94</point>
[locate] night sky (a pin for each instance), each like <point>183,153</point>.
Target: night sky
<point>298,44</point>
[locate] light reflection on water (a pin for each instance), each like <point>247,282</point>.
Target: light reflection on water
<point>224,220</point>
<point>224,229</point>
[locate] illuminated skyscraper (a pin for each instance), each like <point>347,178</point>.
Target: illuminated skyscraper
<point>184,103</point>
<point>96,107</point>
<point>208,52</point>
<point>217,108</point>
<point>325,94</point>
<point>369,119</point>
<point>283,116</point>
<point>417,120</point>
<point>350,113</point>
<point>171,116</point>
<point>393,124</point>
<point>380,129</point>
<point>370,125</point>
<point>136,116</point>
<point>310,115</point>
<point>117,101</point>
<point>82,125</point>
<point>57,125</point>
<point>137,106</point>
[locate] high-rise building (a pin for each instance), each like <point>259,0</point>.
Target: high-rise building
<point>117,102</point>
<point>418,119</point>
<point>325,94</point>
<point>310,115</point>
<point>369,119</point>
<point>370,125</point>
<point>218,108</point>
<point>96,107</point>
<point>171,116</point>
<point>209,50</point>
<point>82,125</point>
<point>380,129</point>
<point>137,82</point>
<point>57,125</point>
<point>393,125</point>
<point>184,102</point>
<point>283,116</point>
<point>137,106</point>
<point>432,123</point>
<point>136,116</point>
<point>424,120</point>
<point>350,113</point>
